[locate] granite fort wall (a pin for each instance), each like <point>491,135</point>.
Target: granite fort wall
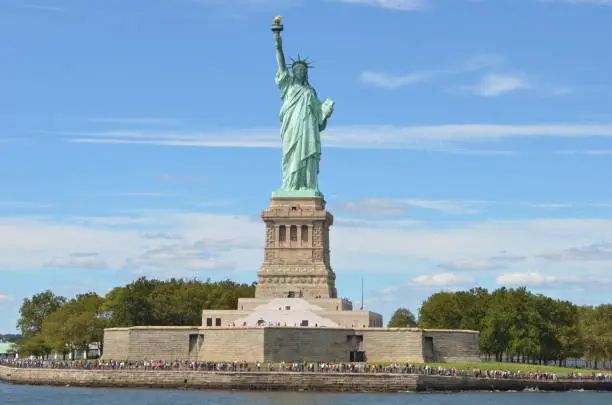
<point>230,344</point>
<point>308,344</point>
<point>364,382</point>
<point>288,344</point>
<point>116,343</point>
<point>452,346</point>
<point>183,343</point>
<point>401,345</point>
<point>160,343</point>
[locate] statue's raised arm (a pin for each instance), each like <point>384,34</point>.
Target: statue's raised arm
<point>277,27</point>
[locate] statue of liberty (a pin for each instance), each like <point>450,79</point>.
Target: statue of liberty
<point>303,117</point>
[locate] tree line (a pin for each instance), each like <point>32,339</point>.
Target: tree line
<point>10,338</point>
<point>51,323</point>
<point>520,326</point>
<point>514,324</point>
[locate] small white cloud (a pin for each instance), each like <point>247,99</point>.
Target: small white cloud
<point>110,221</point>
<point>81,260</point>
<point>507,258</point>
<point>533,279</point>
<point>23,204</point>
<point>551,205</point>
<point>5,297</point>
<point>560,91</point>
<point>442,280</point>
<point>136,121</point>
<point>142,194</point>
<point>598,152</point>
<point>43,7</point>
<point>471,266</point>
<point>391,81</point>
<point>592,2</point>
<point>492,85</point>
<point>589,152</point>
<point>182,258</point>
<point>167,177</point>
<point>162,235</point>
<point>390,207</point>
<point>400,5</point>
<point>594,252</point>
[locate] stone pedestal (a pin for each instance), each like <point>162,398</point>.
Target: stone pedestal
<point>296,253</point>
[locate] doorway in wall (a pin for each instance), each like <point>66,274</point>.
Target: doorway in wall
<point>357,356</point>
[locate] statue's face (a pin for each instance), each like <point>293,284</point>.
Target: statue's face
<point>299,72</point>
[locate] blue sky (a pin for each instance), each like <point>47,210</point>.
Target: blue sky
<point>471,143</point>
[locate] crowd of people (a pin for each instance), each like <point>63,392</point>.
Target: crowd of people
<point>321,367</point>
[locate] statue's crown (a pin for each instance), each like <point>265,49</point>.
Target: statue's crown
<point>299,61</point>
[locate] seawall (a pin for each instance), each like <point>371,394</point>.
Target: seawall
<point>288,381</point>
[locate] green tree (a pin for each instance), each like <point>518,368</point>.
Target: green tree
<point>441,311</point>
<point>474,304</point>
<point>131,305</point>
<point>35,310</point>
<point>402,318</point>
<point>174,302</point>
<point>597,329</point>
<point>34,345</point>
<point>10,338</point>
<point>494,332</point>
<point>76,325</point>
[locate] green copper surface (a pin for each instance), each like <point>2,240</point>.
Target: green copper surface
<point>303,117</point>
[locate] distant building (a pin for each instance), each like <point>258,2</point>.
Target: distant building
<point>6,350</point>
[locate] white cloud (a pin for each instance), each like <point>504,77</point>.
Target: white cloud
<point>590,152</point>
<point>23,204</point>
<point>43,7</point>
<point>442,280</point>
<point>531,278</point>
<point>536,279</point>
<point>400,5</point>
<point>560,91</point>
<point>181,259</point>
<point>391,81</point>
<point>453,138</point>
<point>136,121</point>
<point>162,235</point>
<point>110,221</point>
<point>241,4</point>
<point>594,252</point>
<point>492,84</point>
<point>472,265</point>
<point>375,223</point>
<point>551,205</point>
<point>383,207</point>
<point>81,260</point>
<point>142,194</point>
<point>203,243</point>
<point>5,297</point>
<point>592,2</point>
<point>506,258</point>
<point>167,177</point>
<point>475,63</point>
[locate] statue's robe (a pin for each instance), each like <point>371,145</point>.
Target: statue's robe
<point>302,121</point>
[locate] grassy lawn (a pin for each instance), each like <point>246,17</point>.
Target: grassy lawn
<point>514,367</point>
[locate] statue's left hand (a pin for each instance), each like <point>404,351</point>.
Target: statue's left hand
<point>327,107</point>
